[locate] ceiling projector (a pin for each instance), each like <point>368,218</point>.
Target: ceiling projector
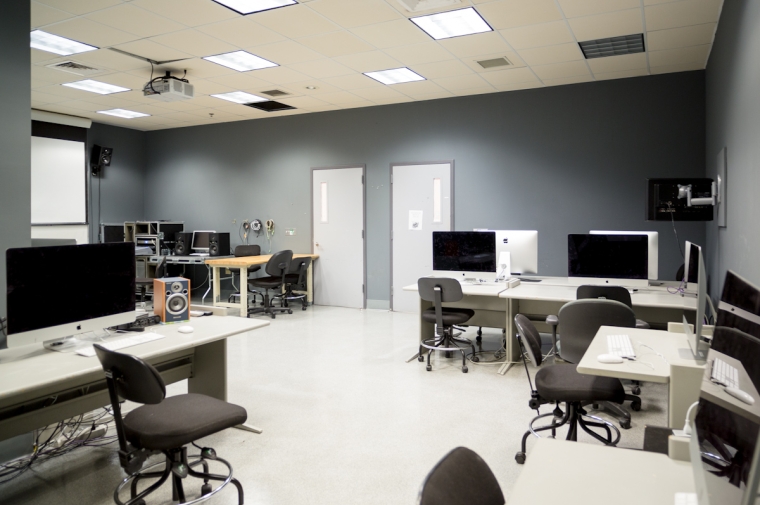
<point>168,88</point>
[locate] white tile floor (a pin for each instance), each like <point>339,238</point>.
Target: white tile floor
<point>345,419</point>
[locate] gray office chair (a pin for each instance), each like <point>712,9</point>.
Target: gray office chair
<point>461,478</point>
<point>276,268</point>
<point>440,290</point>
<point>243,251</point>
<point>164,426</point>
<point>617,293</point>
<point>295,279</point>
<point>561,383</point>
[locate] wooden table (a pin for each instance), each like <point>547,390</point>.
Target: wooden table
<point>242,264</point>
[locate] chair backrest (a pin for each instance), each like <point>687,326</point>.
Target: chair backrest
<point>461,478</point>
<point>133,379</point>
<point>242,251</point>
<point>580,320</point>
<point>300,266</point>
<point>530,338</point>
<point>451,290</point>
<point>161,268</point>
<point>617,293</point>
<point>279,263</point>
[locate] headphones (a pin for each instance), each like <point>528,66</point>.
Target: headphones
<point>256,226</point>
<point>270,227</point>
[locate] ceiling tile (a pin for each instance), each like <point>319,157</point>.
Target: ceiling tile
<point>299,88</point>
<point>280,75</point>
<point>471,45</point>
<point>421,88</point>
<point>577,8</point>
<point>545,34</point>
<point>381,93</point>
<point>194,42</point>
<point>219,112</point>
<point>519,86</point>
<point>132,19</point>
<point>613,24</point>
<point>336,44</point>
<point>623,74</point>
<point>351,82</point>
<point>427,52</point>
<point>44,15</point>
<point>683,13</point>
<point>188,12</point>
<point>350,13</point>
<point>460,82</point>
<point>513,13</point>
<point>50,75</point>
<point>399,32</point>
<point>206,87</point>
<point>148,49</point>
<point>180,116</point>
<point>43,57</point>
<point>296,21</point>
<point>681,67</point>
<point>568,80</point>
<point>433,96</point>
<point>80,7</point>
<point>198,68</point>
<point>618,63</point>
<point>321,69</point>
<point>395,99</point>
<point>287,52</point>
<point>340,97</point>
<point>681,55</point>
<point>561,70</point>
<point>242,81</point>
<point>88,31</point>
<point>304,102</point>
<point>105,58</point>
<point>551,54</point>
<point>40,97</point>
<point>124,80</point>
<point>241,32</point>
<point>511,76</point>
<point>441,69</point>
<point>368,62</point>
<point>681,37</point>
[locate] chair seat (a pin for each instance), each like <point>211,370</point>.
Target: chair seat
<point>291,278</point>
<point>265,282</point>
<point>563,383</point>
<point>450,315</point>
<point>179,420</point>
<point>254,269</point>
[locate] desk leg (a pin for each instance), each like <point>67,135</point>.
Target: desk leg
<point>210,374</point>
<point>210,272</point>
<point>216,282</point>
<point>512,347</point>
<point>243,291</point>
<point>427,330</point>
<point>310,283</point>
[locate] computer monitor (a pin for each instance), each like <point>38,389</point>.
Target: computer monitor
<point>654,248</point>
<point>608,259</point>
<point>695,263</point>
<point>93,288</point>
<point>522,246</point>
<point>201,240</point>
<point>691,266</point>
<point>465,255</point>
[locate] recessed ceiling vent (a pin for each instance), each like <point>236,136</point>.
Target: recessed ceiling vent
<point>614,46</point>
<point>425,5</point>
<point>73,67</point>
<point>496,62</point>
<point>270,106</point>
<point>275,92</point>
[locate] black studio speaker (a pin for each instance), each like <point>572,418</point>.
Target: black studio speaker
<point>219,244</point>
<point>100,157</point>
<point>183,244</point>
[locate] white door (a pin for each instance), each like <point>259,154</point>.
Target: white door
<point>338,236</point>
<point>422,203</point>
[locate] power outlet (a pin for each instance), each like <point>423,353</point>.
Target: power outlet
<point>290,231</point>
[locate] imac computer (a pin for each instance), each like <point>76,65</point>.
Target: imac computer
<point>465,255</point>
<point>93,288</point>
<point>522,246</point>
<point>608,259</point>
<point>201,241</point>
<point>654,248</point>
<point>695,275</point>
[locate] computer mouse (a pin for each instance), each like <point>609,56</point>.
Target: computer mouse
<point>185,329</point>
<point>611,359</point>
<point>740,395</point>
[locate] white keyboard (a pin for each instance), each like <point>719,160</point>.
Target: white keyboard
<point>199,254</point>
<point>724,374</point>
<point>115,345</point>
<point>620,345</point>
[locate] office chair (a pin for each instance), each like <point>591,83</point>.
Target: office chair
<point>295,279</point>
<point>561,383</point>
<point>243,251</point>
<point>276,269</point>
<point>143,283</point>
<point>164,426</point>
<point>461,478</point>
<point>439,290</point>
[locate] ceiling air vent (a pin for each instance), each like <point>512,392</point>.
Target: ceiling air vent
<point>270,106</point>
<point>73,67</point>
<point>496,62</point>
<point>614,46</point>
<point>275,92</point>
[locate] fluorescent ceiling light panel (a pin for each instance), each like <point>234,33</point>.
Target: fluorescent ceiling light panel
<point>250,6</point>
<point>58,45</point>
<point>452,23</point>
<point>98,87</point>
<point>395,76</point>
<point>126,114</point>
<point>241,61</point>
<point>240,97</point>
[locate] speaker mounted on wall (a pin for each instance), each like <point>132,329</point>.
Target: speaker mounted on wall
<point>100,157</point>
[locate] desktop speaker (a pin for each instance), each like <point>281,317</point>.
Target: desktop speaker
<point>184,242</point>
<point>219,244</point>
<point>171,299</point>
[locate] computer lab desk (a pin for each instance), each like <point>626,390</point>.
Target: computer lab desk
<point>39,387</point>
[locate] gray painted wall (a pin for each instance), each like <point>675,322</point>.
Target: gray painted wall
<point>733,121</point>
<point>560,160</point>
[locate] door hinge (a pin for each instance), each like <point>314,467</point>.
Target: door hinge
<point>362,179</point>
<point>362,288</point>
<point>362,233</point>
<point>391,178</point>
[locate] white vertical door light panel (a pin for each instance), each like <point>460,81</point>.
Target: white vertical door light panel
<point>422,203</point>
<point>338,236</point>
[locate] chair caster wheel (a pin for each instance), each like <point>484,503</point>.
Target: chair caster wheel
<point>636,406</point>
<point>520,458</point>
<point>290,311</point>
<point>273,316</point>
<point>497,356</point>
<point>206,489</point>
<point>428,368</point>
<point>420,358</point>
<point>636,390</point>
<point>464,369</point>
<point>475,359</point>
<point>139,502</point>
<point>303,308</point>
<point>626,425</point>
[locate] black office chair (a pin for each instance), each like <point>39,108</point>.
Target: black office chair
<point>296,279</point>
<point>143,283</point>
<point>164,425</point>
<point>461,478</point>
<point>243,251</point>
<point>617,293</point>
<point>276,269</point>
<point>561,383</point>
<point>439,290</point>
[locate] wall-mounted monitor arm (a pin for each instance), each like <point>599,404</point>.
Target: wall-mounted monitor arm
<point>685,192</point>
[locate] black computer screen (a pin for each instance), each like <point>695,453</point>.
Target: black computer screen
<point>464,251</point>
<point>50,286</point>
<point>692,253</point>
<point>201,239</point>
<point>608,256</point>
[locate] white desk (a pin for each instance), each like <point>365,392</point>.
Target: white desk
<point>572,473</point>
<point>39,387</point>
<point>718,396</point>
